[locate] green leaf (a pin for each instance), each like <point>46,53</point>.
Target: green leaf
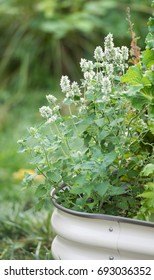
<point>77,190</point>
<point>150,41</point>
<point>151,111</point>
<point>148,169</point>
<point>85,189</point>
<point>123,205</point>
<point>138,100</point>
<point>150,186</point>
<point>149,195</point>
<point>116,191</point>
<point>139,95</point>
<point>76,143</point>
<point>101,188</point>
<point>83,125</point>
<point>40,204</point>
<point>133,75</point>
<point>150,75</point>
<point>40,191</point>
<point>100,122</point>
<point>148,58</point>
<point>96,153</point>
<point>54,176</point>
<point>89,165</point>
<point>148,92</point>
<point>116,122</point>
<point>109,158</point>
<point>103,135</point>
<point>151,23</point>
<point>145,81</point>
<point>79,180</point>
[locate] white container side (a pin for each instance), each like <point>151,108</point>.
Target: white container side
<point>92,237</point>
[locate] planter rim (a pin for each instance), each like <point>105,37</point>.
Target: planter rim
<point>99,216</point>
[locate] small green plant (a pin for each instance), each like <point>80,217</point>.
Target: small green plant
<point>95,155</point>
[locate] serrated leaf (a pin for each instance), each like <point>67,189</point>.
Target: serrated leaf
<point>133,75</point>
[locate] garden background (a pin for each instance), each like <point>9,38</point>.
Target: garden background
<point>40,41</point>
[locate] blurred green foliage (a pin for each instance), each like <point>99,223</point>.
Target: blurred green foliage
<point>40,41</point>
<point>43,39</point>
<point>24,234</point>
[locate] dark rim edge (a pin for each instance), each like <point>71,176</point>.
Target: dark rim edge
<point>99,216</point>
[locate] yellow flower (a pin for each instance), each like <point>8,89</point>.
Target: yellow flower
<point>20,174</point>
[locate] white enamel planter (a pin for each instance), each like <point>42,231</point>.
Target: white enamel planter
<point>83,236</point>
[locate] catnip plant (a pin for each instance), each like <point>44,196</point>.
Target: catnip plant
<point>94,155</point>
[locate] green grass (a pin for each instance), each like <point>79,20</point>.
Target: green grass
<point>24,233</point>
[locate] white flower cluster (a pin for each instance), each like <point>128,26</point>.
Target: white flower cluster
<point>89,75</point>
<point>106,85</point>
<point>86,65</point>
<point>99,80</point>
<point>71,90</point>
<point>75,89</point>
<point>51,99</point>
<point>110,62</point>
<point>124,51</point>
<point>45,112</point>
<point>99,54</point>
<point>65,84</point>
<point>48,113</point>
<point>108,42</point>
